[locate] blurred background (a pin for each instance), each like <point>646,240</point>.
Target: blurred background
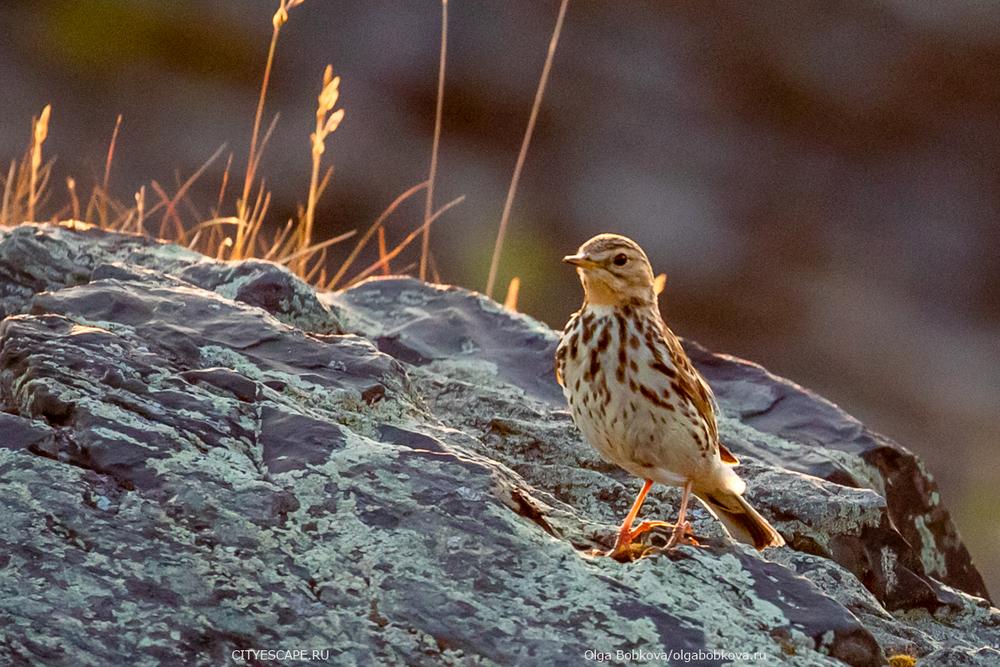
<point>819,180</point>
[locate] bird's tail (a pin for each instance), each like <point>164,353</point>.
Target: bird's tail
<point>742,521</point>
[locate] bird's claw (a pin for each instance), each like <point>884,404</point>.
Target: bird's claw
<point>626,549</point>
<point>682,535</point>
<point>647,526</point>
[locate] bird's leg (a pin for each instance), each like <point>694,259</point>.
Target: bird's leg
<point>627,534</point>
<point>682,527</point>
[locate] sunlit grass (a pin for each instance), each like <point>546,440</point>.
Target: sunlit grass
<point>239,228</point>
<point>279,19</point>
<point>327,121</point>
<point>510,301</point>
<point>25,186</point>
<point>40,131</point>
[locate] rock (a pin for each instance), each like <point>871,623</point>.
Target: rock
<point>34,259</point>
<point>954,657</point>
<point>20,433</point>
<point>199,458</point>
<point>269,286</point>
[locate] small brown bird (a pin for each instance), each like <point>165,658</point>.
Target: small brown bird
<point>638,400</point>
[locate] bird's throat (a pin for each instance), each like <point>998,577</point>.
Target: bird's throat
<point>601,293</point>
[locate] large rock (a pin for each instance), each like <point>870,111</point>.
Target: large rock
<point>199,458</point>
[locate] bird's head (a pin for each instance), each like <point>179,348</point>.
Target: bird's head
<point>614,271</point>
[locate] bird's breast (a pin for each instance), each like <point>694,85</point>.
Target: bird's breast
<point>616,376</point>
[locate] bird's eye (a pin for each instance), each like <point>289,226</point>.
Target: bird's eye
<point>620,259</point>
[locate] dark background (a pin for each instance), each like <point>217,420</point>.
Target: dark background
<point>819,179</point>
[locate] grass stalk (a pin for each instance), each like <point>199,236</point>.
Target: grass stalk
<point>279,19</point>
<point>435,274</point>
<point>519,165</point>
<point>140,210</point>
<point>279,240</point>
<point>40,131</point>
<point>510,302</point>
<point>319,267</point>
<point>405,242</point>
<point>425,246</point>
<point>171,208</point>
<point>382,251</point>
<point>379,222</point>
<point>108,160</point>
<point>327,121</point>
<point>316,247</point>
<point>222,187</point>
<point>8,191</point>
<point>73,199</point>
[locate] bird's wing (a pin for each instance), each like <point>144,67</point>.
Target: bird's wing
<point>692,384</point>
<point>563,348</point>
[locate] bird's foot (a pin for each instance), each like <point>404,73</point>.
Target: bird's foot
<point>646,526</point>
<point>682,534</point>
<point>626,549</point>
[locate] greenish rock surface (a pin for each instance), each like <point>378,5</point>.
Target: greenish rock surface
<point>200,458</point>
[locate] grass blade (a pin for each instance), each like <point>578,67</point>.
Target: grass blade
<point>519,165</point>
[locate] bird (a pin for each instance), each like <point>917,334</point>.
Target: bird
<point>639,401</point>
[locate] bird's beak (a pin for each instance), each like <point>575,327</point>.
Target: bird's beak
<point>582,261</point>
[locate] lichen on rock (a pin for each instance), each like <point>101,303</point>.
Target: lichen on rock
<point>198,457</point>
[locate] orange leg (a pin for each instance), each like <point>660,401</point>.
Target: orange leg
<point>682,527</point>
<point>626,534</point>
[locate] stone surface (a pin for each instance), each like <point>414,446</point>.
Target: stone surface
<point>199,457</point>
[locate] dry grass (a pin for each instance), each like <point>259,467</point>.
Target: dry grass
<point>40,131</point>
<point>25,187</point>
<point>279,19</point>
<point>510,301</point>
<point>525,142</point>
<point>425,248</point>
<point>100,204</point>
<point>158,211</point>
<point>401,246</point>
<point>327,121</point>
